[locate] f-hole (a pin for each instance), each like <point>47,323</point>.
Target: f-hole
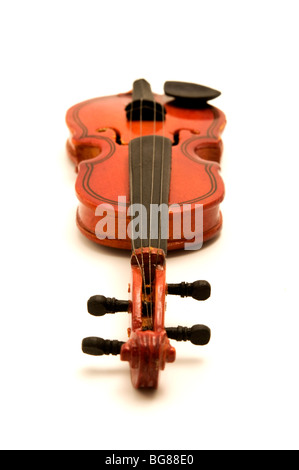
<point>117,134</point>
<point>176,138</point>
<point>176,135</point>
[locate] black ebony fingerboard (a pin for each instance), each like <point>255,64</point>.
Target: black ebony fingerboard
<point>150,168</point>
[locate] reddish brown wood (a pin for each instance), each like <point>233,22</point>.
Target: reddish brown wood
<point>98,145</point>
<point>148,349</point>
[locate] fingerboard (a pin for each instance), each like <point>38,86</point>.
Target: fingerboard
<point>150,169</point>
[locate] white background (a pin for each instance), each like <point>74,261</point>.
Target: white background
<point>239,392</point>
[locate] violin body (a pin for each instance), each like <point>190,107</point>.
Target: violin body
<point>149,150</point>
<point>100,134</point>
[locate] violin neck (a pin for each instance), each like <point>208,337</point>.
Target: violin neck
<point>150,168</point>
<point>149,259</point>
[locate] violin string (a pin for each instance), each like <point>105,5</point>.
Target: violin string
<point>131,173</point>
<point>141,268</point>
<point>141,198</point>
<point>161,181</point>
<point>151,205</point>
<point>131,178</point>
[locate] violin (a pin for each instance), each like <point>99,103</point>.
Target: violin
<point>148,181</point>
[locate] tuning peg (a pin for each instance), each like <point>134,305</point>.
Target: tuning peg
<point>98,305</point>
<point>99,346</point>
<point>199,334</point>
<point>199,290</point>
